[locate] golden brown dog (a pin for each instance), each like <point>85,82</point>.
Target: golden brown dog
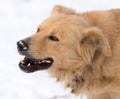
<point>81,50</point>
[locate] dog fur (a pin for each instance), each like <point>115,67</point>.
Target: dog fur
<point>87,55</point>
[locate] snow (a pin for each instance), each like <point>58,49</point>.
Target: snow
<point>18,19</point>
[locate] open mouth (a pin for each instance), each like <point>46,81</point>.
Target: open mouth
<point>31,65</point>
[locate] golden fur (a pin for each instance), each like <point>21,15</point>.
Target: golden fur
<point>87,55</point>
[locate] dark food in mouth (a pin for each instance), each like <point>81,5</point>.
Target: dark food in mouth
<point>31,65</point>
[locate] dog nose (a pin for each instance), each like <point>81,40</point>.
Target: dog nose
<point>22,45</point>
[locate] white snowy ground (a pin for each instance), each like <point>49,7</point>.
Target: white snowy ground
<point>18,19</point>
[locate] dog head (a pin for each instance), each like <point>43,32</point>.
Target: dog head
<point>65,41</point>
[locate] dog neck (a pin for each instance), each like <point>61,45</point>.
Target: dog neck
<point>84,79</point>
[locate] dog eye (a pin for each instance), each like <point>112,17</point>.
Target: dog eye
<point>53,38</point>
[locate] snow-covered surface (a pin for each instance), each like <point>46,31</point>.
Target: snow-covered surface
<point>18,19</point>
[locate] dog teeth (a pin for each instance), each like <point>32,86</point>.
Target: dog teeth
<point>43,61</point>
<point>47,61</point>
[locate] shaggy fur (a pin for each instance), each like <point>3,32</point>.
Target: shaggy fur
<point>87,55</point>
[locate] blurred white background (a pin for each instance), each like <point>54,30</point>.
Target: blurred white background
<point>18,19</point>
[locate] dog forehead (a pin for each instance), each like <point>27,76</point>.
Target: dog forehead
<point>68,26</point>
<point>65,20</point>
<point>50,25</point>
<point>58,20</point>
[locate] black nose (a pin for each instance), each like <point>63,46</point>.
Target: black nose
<point>22,45</point>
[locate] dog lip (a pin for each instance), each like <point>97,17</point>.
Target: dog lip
<point>29,65</point>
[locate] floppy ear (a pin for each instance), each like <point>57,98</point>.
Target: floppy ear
<point>95,38</point>
<point>57,10</point>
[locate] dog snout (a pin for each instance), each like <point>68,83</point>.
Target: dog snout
<point>22,45</point>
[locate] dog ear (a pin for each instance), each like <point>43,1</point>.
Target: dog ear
<point>60,10</point>
<point>95,38</point>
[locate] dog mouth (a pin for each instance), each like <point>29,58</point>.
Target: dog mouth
<point>29,65</point>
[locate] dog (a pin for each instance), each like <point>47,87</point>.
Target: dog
<point>80,49</point>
